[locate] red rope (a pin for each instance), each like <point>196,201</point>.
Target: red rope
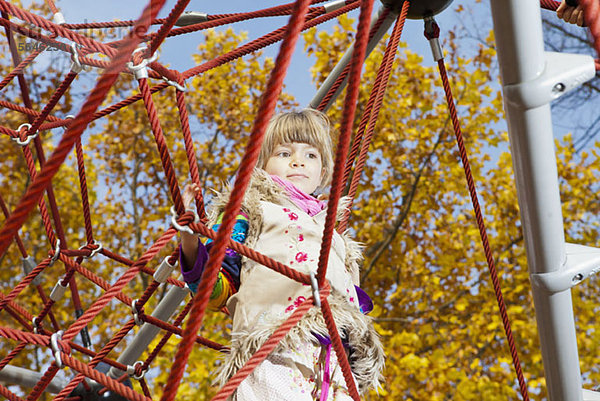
<point>60,91</point>
<point>13,353</point>
<point>101,302</point>
<point>371,112</point>
<point>17,237</point>
<point>169,23</point>
<point>96,359</point>
<point>24,110</point>
<point>481,225</point>
<point>338,82</point>
<point>58,29</point>
<point>87,218</point>
<point>255,45</point>
<point>40,152</point>
<point>591,15</point>
<point>9,394</point>
<point>549,4</point>
<point>176,330</point>
<point>360,46</point>
<point>52,6</point>
<point>217,252</point>
<point>97,95</point>
<point>190,151</point>
<point>162,146</point>
<point>101,378</point>
<point>263,352</point>
<point>18,70</point>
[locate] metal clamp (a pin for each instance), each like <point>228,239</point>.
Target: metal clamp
<point>164,271</point>
<point>58,18</point>
<point>581,263</point>
<point>334,5</point>
<point>190,18</point>
<point>76,66</point>
<point>36,324</point>
<point>54,338</point>
<point>140,71</point>
<point>58,291</point>
<point>68,117</point>
<point>56,253</point>
<point>434,39</point>
<point>29,137</point>
<point>136,316</point>
<point>93,252</point>
<point>178,226</point>
<point>178,86</point>
<point>132,368</point>
<point>315,288</point>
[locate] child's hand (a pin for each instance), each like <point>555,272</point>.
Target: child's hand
<point>189,194</point>
<point>573,15</point>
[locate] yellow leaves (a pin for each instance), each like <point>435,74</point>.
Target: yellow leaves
<point>461,305</point>
<point>411,362</point>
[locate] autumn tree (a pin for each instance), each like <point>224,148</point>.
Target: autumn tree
<point>424,265</point>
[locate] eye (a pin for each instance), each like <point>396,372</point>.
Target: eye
<point>283,153</point>
<point>313,155</point>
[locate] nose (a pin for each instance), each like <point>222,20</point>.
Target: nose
<point>296,162</point>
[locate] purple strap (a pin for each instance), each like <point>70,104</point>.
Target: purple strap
<point>327,368</point>
<point>364,301</point>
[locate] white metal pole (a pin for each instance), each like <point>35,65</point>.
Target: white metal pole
<point>518,30</point>
<point>347,57</point>
<point>29,378</point>
<point>164,310</point>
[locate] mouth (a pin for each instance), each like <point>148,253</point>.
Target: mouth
<point>297,176</point>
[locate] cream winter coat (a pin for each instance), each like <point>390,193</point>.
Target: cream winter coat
<point>265,299</point>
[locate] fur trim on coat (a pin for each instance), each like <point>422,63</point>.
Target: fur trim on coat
<point>367,357</point>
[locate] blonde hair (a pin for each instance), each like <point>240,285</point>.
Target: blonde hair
<point>305,126</point>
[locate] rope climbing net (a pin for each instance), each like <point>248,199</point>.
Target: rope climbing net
<point>41,328</point>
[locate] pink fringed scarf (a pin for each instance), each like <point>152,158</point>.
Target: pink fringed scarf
<point>304,201</point>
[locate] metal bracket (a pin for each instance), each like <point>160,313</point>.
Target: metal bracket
<point>562,73</point>
<point>581,263</point>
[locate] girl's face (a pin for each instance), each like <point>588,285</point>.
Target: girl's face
<point>299,163</point>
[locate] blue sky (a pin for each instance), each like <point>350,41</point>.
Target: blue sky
<point>177,51</point>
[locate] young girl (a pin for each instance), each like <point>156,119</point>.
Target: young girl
<point>280,218</point>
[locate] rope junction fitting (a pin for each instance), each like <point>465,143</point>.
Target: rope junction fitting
<point>29,137</point>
